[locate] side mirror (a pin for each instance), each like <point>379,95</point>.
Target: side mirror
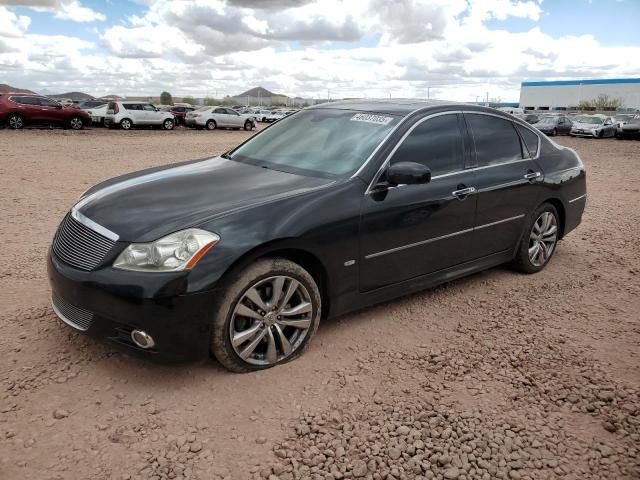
<point>408,173</point>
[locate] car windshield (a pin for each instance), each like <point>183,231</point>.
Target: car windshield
<point>319,142</point>
<point>590,120</point>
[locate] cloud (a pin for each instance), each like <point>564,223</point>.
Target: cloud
<point>71,10</point>
<point>409,21</point>
<point>11,24</point>
<point>30,3</point>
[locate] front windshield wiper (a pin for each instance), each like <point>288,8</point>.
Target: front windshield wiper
<point>226,155</point>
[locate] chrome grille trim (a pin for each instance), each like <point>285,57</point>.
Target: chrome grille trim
<point>77,245</point>
<point>75,317</point>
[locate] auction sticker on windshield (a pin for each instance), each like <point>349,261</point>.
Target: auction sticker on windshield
<point>370,118</point>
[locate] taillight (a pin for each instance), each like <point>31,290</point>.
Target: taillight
<point>113,107</point>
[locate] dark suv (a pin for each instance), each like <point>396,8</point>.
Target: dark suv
<point>18,110</point>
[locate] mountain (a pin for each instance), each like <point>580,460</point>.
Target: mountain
<point>4,88</point>
<point>75,96</point>
<point>257,92</point>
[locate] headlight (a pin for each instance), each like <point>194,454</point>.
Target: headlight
<point>175,252</point>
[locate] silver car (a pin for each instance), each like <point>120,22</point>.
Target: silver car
<point>219,117</point>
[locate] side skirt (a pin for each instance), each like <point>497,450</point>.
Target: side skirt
<point>356,301</point>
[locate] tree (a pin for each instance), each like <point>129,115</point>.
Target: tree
<point>166,98</point>
<point>210,102</point>
<point>602,102</point>
<point>189,100</point>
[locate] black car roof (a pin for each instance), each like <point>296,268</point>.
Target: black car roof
<point>403,107</point>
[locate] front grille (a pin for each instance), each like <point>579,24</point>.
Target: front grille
<point>79,246</point>
<point>76,317</point>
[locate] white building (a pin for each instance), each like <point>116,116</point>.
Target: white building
<point>566,94</point>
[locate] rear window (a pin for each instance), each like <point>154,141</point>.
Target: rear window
<point>112,106</point>
<point>530,140</point>
<point>496,139</point>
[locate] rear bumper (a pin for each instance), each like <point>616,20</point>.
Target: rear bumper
<point>180,324</point>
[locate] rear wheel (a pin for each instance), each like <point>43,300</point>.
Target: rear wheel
<point>266,316</point>
<point>212,125</point>
<point>248,125</point>
<point>538,244</point>
<point>126,124</point>
<point>15,121</point>
<point>168,124</point>
<point>76,123</point>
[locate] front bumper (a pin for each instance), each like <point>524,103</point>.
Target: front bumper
<point>111,303</point>
<point>583,133</point>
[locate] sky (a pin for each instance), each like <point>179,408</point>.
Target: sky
<point>463,50</point>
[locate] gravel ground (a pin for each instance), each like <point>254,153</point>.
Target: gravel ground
<point>499,375</point>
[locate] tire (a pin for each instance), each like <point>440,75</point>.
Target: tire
<point>168,124</point>
<point>15,121</point>
<point>126,124</point>
<point>267,329</point>
<point>264,119</point>
<point>211,125</point>
<point>76,123</point>
<point>248,125</point>
<point>524,260</point>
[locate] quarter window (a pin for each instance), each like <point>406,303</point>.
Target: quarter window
<point>436,143</point>
<point>495,139</point>
<point>530,140</point>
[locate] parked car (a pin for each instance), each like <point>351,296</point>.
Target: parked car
<point>553,125</point>
<point>18,110</point>
<point>623,118</point>
<point>219,117</point>
<point>630,130</point>
<point>265,115</point>
<point>339,207</point>
<point>180,113</point>
<point>98,114</point>
<point>597,126</point>
<point>527,117</point>
<point>89,104</point>
<point>127,115</point>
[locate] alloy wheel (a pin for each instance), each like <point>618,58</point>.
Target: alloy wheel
<point>15,121</point>
<point>271,320</point>
<point>125,124</point>
<point>168,125</point>
<point>543,238</point>
<point>76,123</point>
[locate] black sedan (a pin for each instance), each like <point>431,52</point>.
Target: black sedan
<point>329,210</point>
<point>554,125</point>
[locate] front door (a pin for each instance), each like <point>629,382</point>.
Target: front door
<point>151,115</point>
<point>411,230</point>
<point>235,120</point>
<point>50,111</point>
<point>508,182</point>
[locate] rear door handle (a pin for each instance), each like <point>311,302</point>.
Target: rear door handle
<point>532,175</point>
<point>463,192</point>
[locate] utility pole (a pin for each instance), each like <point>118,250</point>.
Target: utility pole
<point>328,94</point>
<point>428,93</point>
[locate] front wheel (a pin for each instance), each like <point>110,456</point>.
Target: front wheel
<point>266,316</point>
<point>76,123</point>
<point>168,124</point>
<point>539,241</point>
<point>248,125</point>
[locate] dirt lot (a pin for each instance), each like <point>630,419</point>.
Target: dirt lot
<point>499,375</point>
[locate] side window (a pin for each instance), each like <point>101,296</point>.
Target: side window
<point>149,108</point>
<point>495,139</point>
<point>436,143</point>
<point>231,112</point>
<point>45,102</point>
<point>129,106</point>
<point>220,110</point>
<point>26,100</point>
<point>530,140</point>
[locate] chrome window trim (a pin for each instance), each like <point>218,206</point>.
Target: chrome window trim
<point>442,237</point>
<point>87,222</point>
<point>384,140</point>
<point>376,177</point>
<point>578,198</point>
<point>455,112</point>
<point>512,120</point>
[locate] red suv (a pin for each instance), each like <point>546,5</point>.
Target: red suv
<point>19,109</point>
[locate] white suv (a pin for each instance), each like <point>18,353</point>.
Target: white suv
<point>219,117</point>
<point>135,114</point>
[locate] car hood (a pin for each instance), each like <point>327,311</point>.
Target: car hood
<point>148,205</point>
<point>586,126</point>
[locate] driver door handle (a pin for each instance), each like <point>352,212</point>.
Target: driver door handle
<point>532,175</point>
<point>463,192</point>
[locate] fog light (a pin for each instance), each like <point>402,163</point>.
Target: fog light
<point>142,339</point>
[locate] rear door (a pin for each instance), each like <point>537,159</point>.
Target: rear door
<point>508,180</point>
<point>412,230</point>
<point>28,107</point>
<point>564,125</point>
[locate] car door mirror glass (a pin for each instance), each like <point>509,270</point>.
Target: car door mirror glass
<point>408,173</point>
